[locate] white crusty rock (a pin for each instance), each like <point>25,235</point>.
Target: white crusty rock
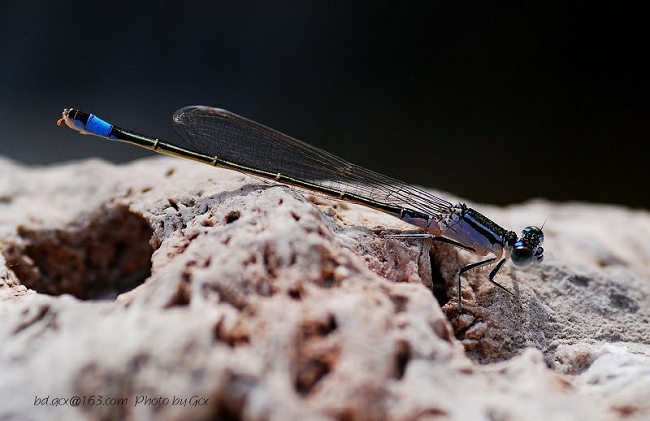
<point>165,289</point>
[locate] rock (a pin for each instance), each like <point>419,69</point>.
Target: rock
<point>171,290</point>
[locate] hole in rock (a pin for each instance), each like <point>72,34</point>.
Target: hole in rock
<point>402,358</point>
<point>438,282</point>
<point>104,255</point>
<point>309,374</point>
<point>232,217</point>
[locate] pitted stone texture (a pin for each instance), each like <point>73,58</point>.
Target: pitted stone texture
<point>270,304</point>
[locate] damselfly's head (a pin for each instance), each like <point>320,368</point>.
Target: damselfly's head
<point>528,249</point>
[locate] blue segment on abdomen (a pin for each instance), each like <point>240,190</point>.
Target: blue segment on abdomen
<point>98,126</point>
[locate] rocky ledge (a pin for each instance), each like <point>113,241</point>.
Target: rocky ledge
<point>165,289</point>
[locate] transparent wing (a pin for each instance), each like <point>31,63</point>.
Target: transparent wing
<point>220,133</point>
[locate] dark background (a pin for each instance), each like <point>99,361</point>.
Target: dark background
<point>494,102</point>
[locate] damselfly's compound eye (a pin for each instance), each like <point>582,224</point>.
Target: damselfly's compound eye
<point>522,255</point>
<point>533,235</point>
<point>528,248</point>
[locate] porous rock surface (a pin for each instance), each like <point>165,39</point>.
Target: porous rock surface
<point>165,289</point>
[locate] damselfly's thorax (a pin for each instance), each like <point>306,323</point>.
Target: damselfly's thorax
<point>473,230</point>
<point>483,236</point>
